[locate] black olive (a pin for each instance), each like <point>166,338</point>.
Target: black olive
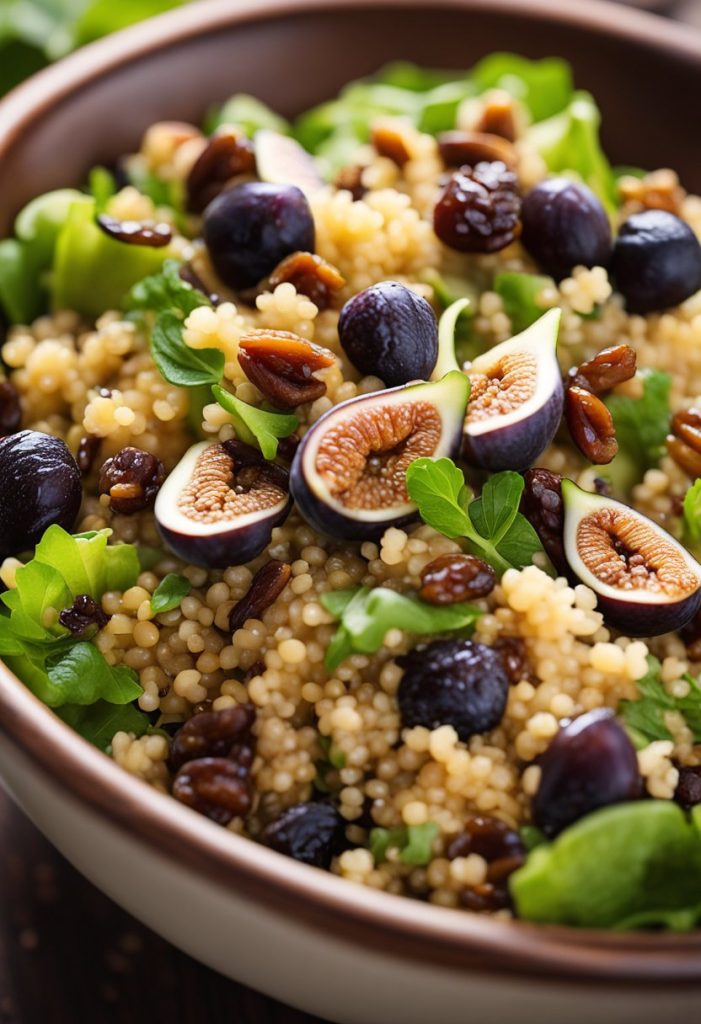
<point>390,332</point>
<point>311,833</point>
<point>249,229</point>
<point>656,261</point>
<point>565,226</point>
<point>40,483</point>
<point>590,763</point>
<point>453,682</point>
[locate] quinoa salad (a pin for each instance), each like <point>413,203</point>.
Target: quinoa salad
<point>351,488</point>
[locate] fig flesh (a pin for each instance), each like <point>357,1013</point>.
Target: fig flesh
<point>219,505</point>
<point>281,160</point>
<point>349,473</point>
<point>516,399</point>
<point>645,581</point>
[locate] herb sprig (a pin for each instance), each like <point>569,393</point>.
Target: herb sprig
<point>645,717</point>
<point>256,426</point>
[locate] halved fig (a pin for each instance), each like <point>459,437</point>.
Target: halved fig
<point>219,505</point>
<point>281,160</point>
<point>645,581</point>
<point>516,399</point>
<point>349,473</point>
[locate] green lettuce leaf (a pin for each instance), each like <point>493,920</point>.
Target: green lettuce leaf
<point>255,426</point>
<point>518,293</point>
<point>97,723</point>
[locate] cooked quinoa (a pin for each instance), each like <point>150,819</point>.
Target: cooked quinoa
<point>337,735</point>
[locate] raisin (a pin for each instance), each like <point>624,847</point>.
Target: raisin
<point>132,479</point>
<point>267,585</point>
<point>216,787</point>
<point>542,505</point>
<point>88,447</point>
<point>287,446</point>
<point>453,682</point>
<point>10,409</point>
<point>135,232</point>
<point>451,578</point>
<point>83,613</point>
<point>350,179</point>
<point>590,425</point>
<point>688,791</point>
<point>515,658</point>
<point>485,898</point>
<point>311,276</point>
<point>479,209</point>
<point>389,141</point>
<point>458,148</point>
<point>282,365</point>
<point>488,837</point>
<point>608,368</point>
<point>212,734</point>
<point>227,155</point>
<point>312,833</point>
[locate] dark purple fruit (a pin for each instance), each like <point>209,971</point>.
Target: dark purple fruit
<point>249,229</point>
<point>688,791</point>
<point>453,682</point>
<point>565,226</point>
<point>390,332</point>
<point>656,261</point>
<point>310,833</point>
<point>40,485</point>
<point>590,763</point>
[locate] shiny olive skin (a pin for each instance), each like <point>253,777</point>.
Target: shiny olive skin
<point>590,763</point>
<point>564,226</point>
<point>40,485</point>
<point>250,228</point>
<point>390,332</point>
<point>656,261</point>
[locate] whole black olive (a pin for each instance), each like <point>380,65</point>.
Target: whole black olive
<point>565,226</point>
<point>40,485</point>
<point>656,261</point>
<point>249,229</point>
<point>590,763</point>
<point>390,332</point>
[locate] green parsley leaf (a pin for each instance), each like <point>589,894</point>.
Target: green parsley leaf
<point>642,423</point>
<point>255,426</point>
<point>80,675</point>
<point>166,292</point>
<point>645,717</point>
<point>367,614</point>
<point>414,842</point>
<point>691,516</point>
<point>492,524</point>
<point>97,723</point>
<point>169,593</point>
<point>519,294</point>
<point>178,363</point>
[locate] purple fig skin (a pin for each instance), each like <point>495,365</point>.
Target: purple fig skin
<point>635,619</point>
<point>516,446</point>
<point>234,547</point>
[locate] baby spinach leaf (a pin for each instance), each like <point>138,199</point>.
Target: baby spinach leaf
<point>97,723</point>
<point>543,86</point>
<point>367,614</point>
<point>518,294</point>
<point>169,593</point>
<point>81,675</point>
<point>178,363</point>
<point>646,715</point>
<point>642,423</point>
<point>621,866</point>
<point>414,842</point>
<point>255,426</point>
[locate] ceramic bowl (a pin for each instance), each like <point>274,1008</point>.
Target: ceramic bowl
<point>306,937</point>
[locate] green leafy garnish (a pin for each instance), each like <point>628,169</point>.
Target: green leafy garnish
<point>58,668</point>
<point>169,593</point>
<point>543,86</point>
<point>414,842</point>
<point>492,524</point>
<point>255,426</point>
<point>519,293</point>
<point>165,292</point>
<point>623,866</point>
<point>691,517</point>
<point>97,723</point>
<point>642,423</point>
<point>247,113</point>
<point>102,186</point>
<point>366,614</point>
<point>645,717</point>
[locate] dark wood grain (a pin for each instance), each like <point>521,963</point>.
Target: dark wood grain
<point>68,955</point>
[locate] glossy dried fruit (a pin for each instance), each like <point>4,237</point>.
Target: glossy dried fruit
<point>543,507</point>
<point>451,578</point>
<point>83,614</point>
<point>10,409</point>
<point>458,148</point>
<point>135,232</point>
<point>498,116</point>
<point>132,479</point>
<point>88,448</point>
<point>350,179</point>
<point>389,141</point>
<point>488,837</point>
<point>515,658</point>
<point>485,898</point>
<point>590,425</point>
<point>213,734</point>
<point>607,369</point>
<point>479,209</point>
<point>312,833</point>
<point>311,276</point>
<point>684,441</point>
<point>266,586</point>
<point>216,787</point>
<point>227,155</point>
<point>282,366</point>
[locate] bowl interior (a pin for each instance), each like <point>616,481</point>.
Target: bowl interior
<point>645,74</point>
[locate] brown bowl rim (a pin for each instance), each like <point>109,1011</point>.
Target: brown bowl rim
<point>382,922</point>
